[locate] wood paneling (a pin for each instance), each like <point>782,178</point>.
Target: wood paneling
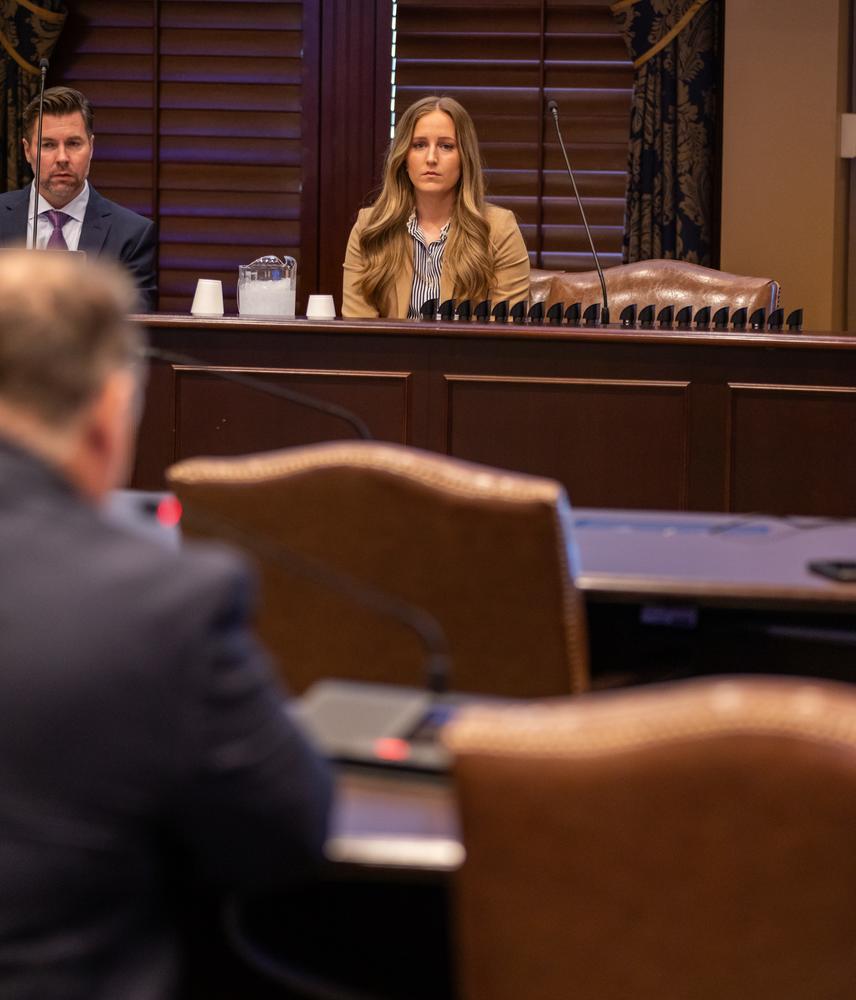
<point>559,428</point>
<point>217,417</point>
<point>106,51</point>
<point>792,448</point>
<point>354,122</point>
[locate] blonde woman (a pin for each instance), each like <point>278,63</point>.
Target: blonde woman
<point>431,234</point>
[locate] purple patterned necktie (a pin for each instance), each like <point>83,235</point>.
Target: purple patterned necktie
<point>57,220</point>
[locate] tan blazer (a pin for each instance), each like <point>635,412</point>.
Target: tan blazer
<point>512,269</point>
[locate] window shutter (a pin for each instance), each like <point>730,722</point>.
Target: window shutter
<point>199,125</point>
<point>503,61</point>
<point>106,52</point>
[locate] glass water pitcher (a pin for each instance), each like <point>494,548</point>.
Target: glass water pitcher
<point>267,287</point>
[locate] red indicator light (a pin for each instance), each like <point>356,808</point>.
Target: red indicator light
<point>169,511</point>
<point>390,748</point>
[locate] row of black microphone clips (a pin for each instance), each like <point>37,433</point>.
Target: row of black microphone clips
<point>630,318</point>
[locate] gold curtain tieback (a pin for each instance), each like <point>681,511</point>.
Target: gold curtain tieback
<point>669,36</point>
<point>42,12</point>
<point>19,59</point>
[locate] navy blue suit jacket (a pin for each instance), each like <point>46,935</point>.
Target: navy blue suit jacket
<point>108,229</point>
<point>141,735</point>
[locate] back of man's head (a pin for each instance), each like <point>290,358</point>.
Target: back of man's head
<point>63,327</point>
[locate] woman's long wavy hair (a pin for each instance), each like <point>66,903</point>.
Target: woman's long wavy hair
<point>385,242</point>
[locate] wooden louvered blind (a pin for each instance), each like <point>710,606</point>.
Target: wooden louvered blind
<point>199,126</point>
<point>504,61</point>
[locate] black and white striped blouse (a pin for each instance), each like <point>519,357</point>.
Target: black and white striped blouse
<point>427,267</point>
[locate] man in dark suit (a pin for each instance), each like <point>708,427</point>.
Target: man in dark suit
<point>143,743</point>
<point>71,213</point>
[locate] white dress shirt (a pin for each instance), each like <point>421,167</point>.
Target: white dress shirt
<point>71,231</point>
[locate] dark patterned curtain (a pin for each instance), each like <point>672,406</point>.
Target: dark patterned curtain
<point>673,127</point>
<point>28,33</point>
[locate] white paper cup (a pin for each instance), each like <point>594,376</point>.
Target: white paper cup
<point>320,307</point>
<point>208,300</point>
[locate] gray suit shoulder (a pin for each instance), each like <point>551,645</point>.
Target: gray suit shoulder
<point>196,572</point>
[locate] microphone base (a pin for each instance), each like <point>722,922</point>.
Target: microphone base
<point>380,725</point>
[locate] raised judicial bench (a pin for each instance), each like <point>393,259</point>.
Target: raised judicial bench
<point>637,418</point>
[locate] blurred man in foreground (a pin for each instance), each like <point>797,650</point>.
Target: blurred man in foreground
<point>140,733</point>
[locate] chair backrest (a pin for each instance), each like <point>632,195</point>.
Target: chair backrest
<point>539,284</point>
<point>488,553</point>
<point>663,283</point>
<point>694,840</point>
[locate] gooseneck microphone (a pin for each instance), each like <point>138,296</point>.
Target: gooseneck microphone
<point>426,628</point>
<point>279,391</point>
<point>43,69</point>
<point>421,623</point>
<point>553,108</point>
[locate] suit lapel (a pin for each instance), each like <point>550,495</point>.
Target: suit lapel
<point>96,223</point>
<point>403,287</point>
<point>13,217</point>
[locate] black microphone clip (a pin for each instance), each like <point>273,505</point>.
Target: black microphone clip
<point>758,319</point>
<point>684,318</point>
<point>666,317</point>
<point>591,316</point>
<point>536,313</point>
<point>738,318</point>
<point>572,314</point>
<point>627,317</point>
<point>518,312</point>
<point>795,321</point>
<point>702,318</point>
<point>720,319</point>
<point>428,309</point>
<point>646,317</point>
<point>554,314</point>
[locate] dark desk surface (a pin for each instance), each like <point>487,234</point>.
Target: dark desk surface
<point>394,820</point>
<point>714,559</point>
<point>843,340</point>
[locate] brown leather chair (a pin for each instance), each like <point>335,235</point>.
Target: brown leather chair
<point>662,283</point>
<point>539,284</point>
<point>487,552</point>
<point>689,842</point>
